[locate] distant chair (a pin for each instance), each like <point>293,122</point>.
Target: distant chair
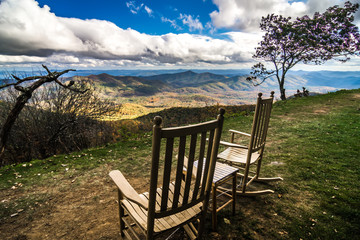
<point>245,156</point>
<point>174,199</point>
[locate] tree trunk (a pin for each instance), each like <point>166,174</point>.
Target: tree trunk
<point>10,120</point>
<point>282,89</point>
<point>282,93</point>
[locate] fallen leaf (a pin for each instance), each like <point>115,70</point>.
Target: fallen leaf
<point>227,221</point>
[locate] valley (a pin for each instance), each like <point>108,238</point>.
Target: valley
<point>143,94</point>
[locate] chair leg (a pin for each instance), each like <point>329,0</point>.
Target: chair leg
<point>214,218</point>
<point>190,231</point>
<point>121,214</point>
<point>258,166</point>
<point>234,193</point>
<point>201,225</point>
<point>257,179</point>
<point>245,179</point>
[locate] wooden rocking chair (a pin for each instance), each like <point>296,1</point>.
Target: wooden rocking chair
<point>173,200</point>
<point>245,156</point>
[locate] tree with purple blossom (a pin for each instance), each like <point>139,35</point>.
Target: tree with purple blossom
<point>325,36</point>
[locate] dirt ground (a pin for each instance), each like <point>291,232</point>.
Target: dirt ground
<point>74,209</point>
<point>80,208</point>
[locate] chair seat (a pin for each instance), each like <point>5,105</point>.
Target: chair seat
<point>161,224</point>
<point>238,155</point>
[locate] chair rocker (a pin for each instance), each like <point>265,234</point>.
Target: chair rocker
<point>243,157</point>
<point>173,200</point>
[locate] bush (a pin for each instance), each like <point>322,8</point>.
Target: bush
<point>56,120</point>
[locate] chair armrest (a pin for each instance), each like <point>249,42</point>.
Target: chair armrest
<point>238,132</point>
<point>127,190</point>
<point>227,144</point>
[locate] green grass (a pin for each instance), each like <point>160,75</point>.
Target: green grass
<point>317,140</point>
<point>38,172</point>
<point>314,141</point>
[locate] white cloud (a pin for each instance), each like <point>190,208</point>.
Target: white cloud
<point>192,23</point>
<point>245,15</point>
<point>210,27</point>
<point>25,28</point>
<point>149,11</point>
<point>246,42</point>
<point>29,33</point>
<point>320,5</point>
<point>63,58</point>
<point>172,22</point>
<point>134,9</point>
<point>5,59</point>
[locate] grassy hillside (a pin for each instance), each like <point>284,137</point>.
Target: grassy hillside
<point>313,143</point>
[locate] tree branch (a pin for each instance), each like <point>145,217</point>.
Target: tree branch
<point>23,98</point>
<point>69,86</point>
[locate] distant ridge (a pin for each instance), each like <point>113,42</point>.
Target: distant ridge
<point>188,78</point>
<point>321,81</point>
<point>125,86</point>
<point>152,72</point>
<point>226,89</point>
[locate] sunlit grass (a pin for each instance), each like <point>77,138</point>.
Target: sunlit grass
<point>313,143</point>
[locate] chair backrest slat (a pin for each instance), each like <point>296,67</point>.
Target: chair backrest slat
<point>200,165</point>
<point>179,171</point>
<point>167,172</point>
<point>260,123</point>
<point>268,113</point>
<point>264,123</point>
<point>179,192</point>
<point>257,124</point>
<point>207,162</point>
<point>189,172</point>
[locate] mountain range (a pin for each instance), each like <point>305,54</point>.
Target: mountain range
<point>144,91</point>
<point>189,88</point>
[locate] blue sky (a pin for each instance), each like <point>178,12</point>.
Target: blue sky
<point>142,34</point>
<point>155,17</point>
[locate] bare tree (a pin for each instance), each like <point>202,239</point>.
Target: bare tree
<point>26,87</point>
